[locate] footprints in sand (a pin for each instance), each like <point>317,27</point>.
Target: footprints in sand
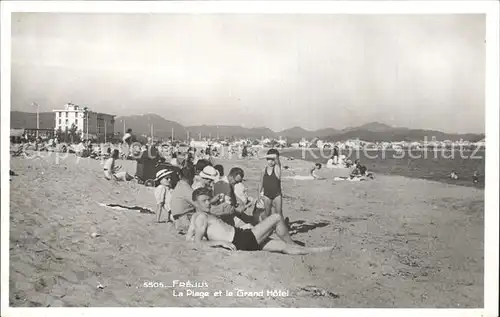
<point>314,291</point>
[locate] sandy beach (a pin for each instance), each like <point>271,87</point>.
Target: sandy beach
<point>399,242</point>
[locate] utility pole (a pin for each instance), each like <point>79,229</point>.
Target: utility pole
<point>172,134</point>
<point>37,118</point>
<point>123,126</point>
<point>87,115</point>
<point>105,130</point>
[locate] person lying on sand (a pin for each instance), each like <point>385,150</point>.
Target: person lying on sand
<point>111,170</point>
<point>221,234</point>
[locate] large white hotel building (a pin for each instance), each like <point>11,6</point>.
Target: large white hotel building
<point>98,123</point>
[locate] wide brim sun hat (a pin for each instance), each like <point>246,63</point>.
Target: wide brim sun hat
<point>162,174</point>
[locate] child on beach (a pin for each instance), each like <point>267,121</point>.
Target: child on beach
<point>270,190</point>
<point>163,194</point>
<point>111,170</point>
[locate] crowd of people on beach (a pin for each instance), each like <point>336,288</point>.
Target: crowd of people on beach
<point>202,202</point>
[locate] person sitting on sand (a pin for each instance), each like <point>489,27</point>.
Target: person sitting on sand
<point>205,177</point>
<point>241,236</point>
<point>235,197</point>
<point>453,175</point>
<point>181,204</point>
<point>235,178</point>
<point>330,163</point>
<point>163,193</point>
<point>314,171</point>
<point>111,170</point>
<point>360,172</point>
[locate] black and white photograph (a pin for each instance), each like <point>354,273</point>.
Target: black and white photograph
<point>203,155</point>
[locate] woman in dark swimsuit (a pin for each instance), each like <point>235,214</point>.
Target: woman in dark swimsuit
<point>270,190</point>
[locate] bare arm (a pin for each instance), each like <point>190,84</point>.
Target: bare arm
<point>214,200</point>
<point>277,169</point>
<point>159,209</point>
<point>261,183</point>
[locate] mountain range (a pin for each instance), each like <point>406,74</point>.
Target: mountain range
<point>162,128</point>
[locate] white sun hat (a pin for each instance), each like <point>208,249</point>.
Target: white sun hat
<point>210,173</point>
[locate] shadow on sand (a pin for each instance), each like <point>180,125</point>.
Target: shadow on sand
<point>300,226</point>
<point>140,209</point>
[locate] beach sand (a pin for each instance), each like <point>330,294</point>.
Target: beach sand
<point>399,242</point>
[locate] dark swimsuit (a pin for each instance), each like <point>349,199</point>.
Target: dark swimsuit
<point>245,240</point>
<point>272,185</point>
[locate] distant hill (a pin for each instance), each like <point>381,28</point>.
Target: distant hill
<point>402,134</point>
<point>27,120</point>
<point>321,133</point>
<point>226,131</point>
<point>296,133</point>
<point>140,124</point>
<point>372,126</point>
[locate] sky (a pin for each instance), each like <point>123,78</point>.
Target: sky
<point>254,70</point>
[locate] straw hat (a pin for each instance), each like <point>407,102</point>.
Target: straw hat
<point>163,173</point>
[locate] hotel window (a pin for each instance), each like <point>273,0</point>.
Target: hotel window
<point>66,115</point>
<point>76,121</point>
<point>59,121</point>
<point>60,114</point>
<point>67,121</point>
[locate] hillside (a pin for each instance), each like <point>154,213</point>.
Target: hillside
<point>27,120</point>
<point>140,124</point>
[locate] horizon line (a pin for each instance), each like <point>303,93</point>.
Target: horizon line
<point>263,127</point>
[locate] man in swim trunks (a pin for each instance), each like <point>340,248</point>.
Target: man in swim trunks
<point>241,236</point>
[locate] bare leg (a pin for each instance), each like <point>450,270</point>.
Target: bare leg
<point>281,227</point>
<point>264,228</point>
<point>282,247</point>
<point>123,176</point>
<point>268,205</point>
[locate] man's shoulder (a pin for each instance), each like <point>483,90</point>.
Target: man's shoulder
<point>200,217</point>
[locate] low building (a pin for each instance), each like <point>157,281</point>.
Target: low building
<point>86,121</point>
